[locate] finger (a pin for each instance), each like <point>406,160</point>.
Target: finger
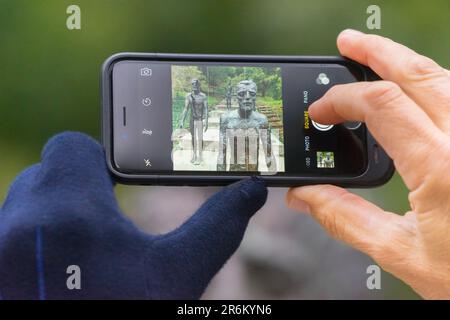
<point>76,156</point>
<point>200,247</point>
<point>70,184</point>
<point>347,217</point>
<point>397,123</point>
<point>21,186</point>
<point>427,83</point>
<point>75,162</point>
<point>73,169</point>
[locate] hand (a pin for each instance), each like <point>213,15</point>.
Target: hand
<point>409,114</point>
<point>63,212</point>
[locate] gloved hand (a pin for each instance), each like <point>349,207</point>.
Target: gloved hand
<point>63,212</point>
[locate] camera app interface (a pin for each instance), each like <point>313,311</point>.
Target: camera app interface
<point>230,118</point>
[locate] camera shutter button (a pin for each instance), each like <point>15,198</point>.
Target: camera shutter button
<point>322,127</point>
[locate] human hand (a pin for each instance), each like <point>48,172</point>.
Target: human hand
<point>409,115</point>
<point>63,212</point>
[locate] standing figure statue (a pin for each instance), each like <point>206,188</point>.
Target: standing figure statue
<point>241,131</point>
<point>229,95</point>
<point>196,103</point>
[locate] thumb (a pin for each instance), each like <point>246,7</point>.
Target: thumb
<point>348,217</point>
<point>76,158</point>
<point>73,166</point>
<point>200,247</point>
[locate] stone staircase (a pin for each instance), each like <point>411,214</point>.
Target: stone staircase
<point>274,120</point>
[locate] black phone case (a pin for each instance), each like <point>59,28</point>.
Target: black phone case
<point>379,170</point>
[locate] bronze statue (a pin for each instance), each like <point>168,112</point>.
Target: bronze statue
<point>241,131</point>
<point>196,103</point>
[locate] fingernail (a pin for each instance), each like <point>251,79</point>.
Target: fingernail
<point>312,106</point>
<point>299,205</point>
<point>351,32</point>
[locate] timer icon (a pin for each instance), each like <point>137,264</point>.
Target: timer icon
<point>147,102</point>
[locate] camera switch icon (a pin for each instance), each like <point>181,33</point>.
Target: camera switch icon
<point>146,72</point>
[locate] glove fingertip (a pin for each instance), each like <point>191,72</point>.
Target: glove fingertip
<point>75,157</point>
<point>65,144</point>
<point>249,194</point>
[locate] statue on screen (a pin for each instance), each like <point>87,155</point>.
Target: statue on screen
<point>229,95</point>
<point>241,132</point>
<point>196,104</point>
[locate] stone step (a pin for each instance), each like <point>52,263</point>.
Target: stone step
<point>182,161</point>
<point>216,124</point>
<point>220,107</point>
<point>211,141</point>
<point>218,113</point>
<point>212,134</point>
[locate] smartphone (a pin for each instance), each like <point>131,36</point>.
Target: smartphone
<point>188,119</point>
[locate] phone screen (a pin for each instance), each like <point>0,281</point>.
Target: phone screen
<point>230,118</point>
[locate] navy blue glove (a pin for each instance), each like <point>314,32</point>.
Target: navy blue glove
<point>63,212</point>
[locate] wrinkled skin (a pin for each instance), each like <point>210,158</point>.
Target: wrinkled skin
<point>408,112</point>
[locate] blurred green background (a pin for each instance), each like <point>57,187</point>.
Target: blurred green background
<point>50,75</point>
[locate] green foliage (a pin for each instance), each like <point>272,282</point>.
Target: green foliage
<point>268,80</point>
<point>182,77</point>
<point>178,106</point>
<point>215,80</point>
<point>212,101</point>
<point>275,105</point>
<point>219,78</point>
